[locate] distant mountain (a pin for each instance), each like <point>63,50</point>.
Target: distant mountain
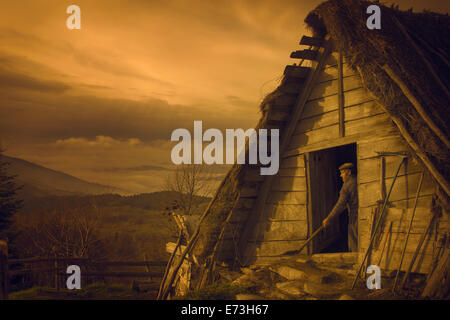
<point>158,201</point>
<point>39,181</point>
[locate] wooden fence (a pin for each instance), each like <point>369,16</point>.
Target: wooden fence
<point>51,271</point>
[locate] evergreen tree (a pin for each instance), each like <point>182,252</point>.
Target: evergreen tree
<point>9,204</point>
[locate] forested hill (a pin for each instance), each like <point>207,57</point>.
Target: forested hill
<point>147,201</point>
<point>38,181</point>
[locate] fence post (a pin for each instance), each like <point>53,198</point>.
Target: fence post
<point>147,266</point>
<point>4,276</point>
<point>55,265</point>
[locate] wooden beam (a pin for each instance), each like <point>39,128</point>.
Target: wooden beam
<point>285,138</point>
<point>409,95</point>
<point>310,41</point>
<point>308,201</point>
<point>305,54</point>
<point>382,178</point>
<point>296,71</point>
<point>341,96</point>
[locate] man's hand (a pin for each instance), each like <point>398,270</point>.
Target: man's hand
<point>326,222</point>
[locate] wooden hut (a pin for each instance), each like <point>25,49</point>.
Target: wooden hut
<point>370,97</point>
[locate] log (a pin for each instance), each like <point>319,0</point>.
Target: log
<point>311,41</point>
<point>169,264</point>
<point>305,54</point>
<point>341,96</point>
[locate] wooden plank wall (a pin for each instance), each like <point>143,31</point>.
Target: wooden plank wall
<point>320,121</point>
<point>283,224</point>
<point>400,209</point>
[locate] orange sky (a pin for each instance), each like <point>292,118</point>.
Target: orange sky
<point>100,103</point>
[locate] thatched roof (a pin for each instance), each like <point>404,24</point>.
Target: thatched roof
<point>413,46</point>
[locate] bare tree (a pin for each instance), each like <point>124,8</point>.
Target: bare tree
<point>68,233</point>
<point>191,184</point>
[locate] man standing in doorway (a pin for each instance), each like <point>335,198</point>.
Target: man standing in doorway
<point>348,198</point>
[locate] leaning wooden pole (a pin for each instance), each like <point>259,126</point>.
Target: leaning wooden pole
<point>192,241</point>
<point>293,252</point>
<point>416,253</point>
<point>388,234</point>
<point>4,276</point>
<point>209,269</point>
<point>166,271</point>
<point>409,232</point>
<point>380,218</point>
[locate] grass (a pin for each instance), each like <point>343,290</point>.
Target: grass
<point>99,291</point>
<point>215,292</point>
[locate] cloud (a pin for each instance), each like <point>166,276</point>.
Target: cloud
<point>50,117</point>
<point>16,80</point>
<point>99,142</point>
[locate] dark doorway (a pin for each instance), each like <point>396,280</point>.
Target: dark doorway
<point>325,184</point>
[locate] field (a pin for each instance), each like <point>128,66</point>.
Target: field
<point>105,227</point>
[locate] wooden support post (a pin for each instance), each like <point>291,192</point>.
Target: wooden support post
<point>56,275</point>
<point>341,95</point>
<point>308,201</point>
<point>4,276</point>
<point>147,267</point>
<point>382,178</point>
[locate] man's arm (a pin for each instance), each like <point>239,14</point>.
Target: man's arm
<point>340,205</point>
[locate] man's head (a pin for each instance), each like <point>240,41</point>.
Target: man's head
<point>346,171</point>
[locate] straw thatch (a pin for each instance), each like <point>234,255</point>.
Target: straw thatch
<point>413,46</point>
